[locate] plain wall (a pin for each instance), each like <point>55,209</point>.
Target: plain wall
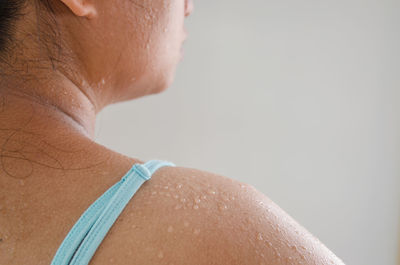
<point>299,99</point>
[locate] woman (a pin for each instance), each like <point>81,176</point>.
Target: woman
<point>62,61</point>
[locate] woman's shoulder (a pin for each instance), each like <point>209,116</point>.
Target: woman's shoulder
<point>189,216</point>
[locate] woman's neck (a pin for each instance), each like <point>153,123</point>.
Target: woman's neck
<point>60,99</point>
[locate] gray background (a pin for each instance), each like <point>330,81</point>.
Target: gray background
<point>299,99</point>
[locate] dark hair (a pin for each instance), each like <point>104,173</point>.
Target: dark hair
<point>10,11</point>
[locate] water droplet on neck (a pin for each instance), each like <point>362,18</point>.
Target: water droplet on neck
<point>223,207</point>
<point>186,223</point>
<point>176,196</point>
<point>22,182</point>
<point>178,206</point>
<point>196,231</point>
<point>195,207</point>
<point>170,229</point>
<point>160,254</point>
<point>259,236</point>
<point>179,186</point>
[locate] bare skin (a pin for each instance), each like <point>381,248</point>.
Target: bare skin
<point>52,170</point>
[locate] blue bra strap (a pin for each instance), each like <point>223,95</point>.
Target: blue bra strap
<point>89,231</point>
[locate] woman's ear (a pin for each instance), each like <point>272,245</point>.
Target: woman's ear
<point>81,8</point>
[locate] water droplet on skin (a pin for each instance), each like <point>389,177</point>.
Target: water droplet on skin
<point>112,260</point>
<point>196,207</point>
<point>103,81</point>
<point>154,192</point>
<point>22,182</point>
<point>204,197</point>
<point>133,226</point>
<point>212,192</point>
<point>270,244</point>
<point>233,198</point>
<point>160,254</point>
<point>170,229</point>
<point>179,186</point>
<point>186,223</point>
<point>177,207</point>
<point>183,200</point>
<point>196,231</point>
<point>176,196</point>
<point>168,195</point>
<point>243,186</point>
<point>166,187</point>
<point>223,207</point>
<point>225,198</point>
<point>259,236</point>
<point>197,200</point>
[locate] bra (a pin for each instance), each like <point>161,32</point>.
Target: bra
<point>88,232</point>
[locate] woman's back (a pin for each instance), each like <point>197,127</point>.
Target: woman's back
<point>61,63</point>
<point>179,216</point>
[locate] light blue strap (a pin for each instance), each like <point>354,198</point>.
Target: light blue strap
<point>89,231</point>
